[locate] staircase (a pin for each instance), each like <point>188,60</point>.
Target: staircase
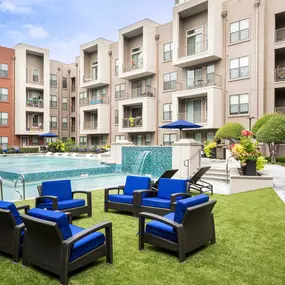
<point>217,174</point>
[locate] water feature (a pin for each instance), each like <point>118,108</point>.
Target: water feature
<point>140,161</point>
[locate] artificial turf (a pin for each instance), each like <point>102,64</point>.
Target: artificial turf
<point>250,249</point>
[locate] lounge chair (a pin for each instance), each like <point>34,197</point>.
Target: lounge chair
<point>195,182</point>
<point>166,174</point>
<point>58,195</point>
<point>16,149</point>
<point>163,200</point>
<point>125,202</point>
<point>53,244</point>
<point>188,228</point>
<point>11,229</point>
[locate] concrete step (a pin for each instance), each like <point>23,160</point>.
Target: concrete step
<point>211,177</point>
<point>215,174</point>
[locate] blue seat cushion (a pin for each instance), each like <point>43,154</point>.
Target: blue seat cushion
<point>167,187</point>
<point>156,202</point>
<point>162,230</point>
<point>182,205</point>
<point>63,205</point>
<point>127,199</point>
<point>86,244</point>
<point>56,217</point>
<point>60,188</point>
<point>12,208</point>
<point>136,183</point>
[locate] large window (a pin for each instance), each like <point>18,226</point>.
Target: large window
<point>36,74</point>
<point>82,140</point>
<point>117,66</point>
<point>3,119</point>
<point>169,81</point>
<point>194,39</point>
<point>239,67</point>
<point>64,123</point>
<point>53,101</point>
<point>53,80</point>
<point>137,58</point>
<point>119,138</point>
<point>64,82</point>
<point>120,91</point>
<point>64,103</point>
<point>169,139</point>
<point>167,51</point>
<point>116,117</point>
<point>167,114</point>
<point>194,78</point>
<point>3,70</point>
<point>239,104</point>
<point>239,31</point>
<point>94,70</point>
<point>53,122</point>
<point>3,94</point>
<point>4,142</point>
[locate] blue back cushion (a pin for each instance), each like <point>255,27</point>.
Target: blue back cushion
<point>167,187</point>
<point>182,205</point>
<point>56,217</point>
<point>11,206</point>
<point>136,183</point>
<point>60,188</point>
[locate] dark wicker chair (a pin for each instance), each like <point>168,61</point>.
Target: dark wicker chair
<point>167,174</point>
<point>12,229</point>
<point>163,200</point>
<point>52,244</point>
<point>58,195</point>
<point>190,227</point>
<point>125,202</point>
<point>195,182</point>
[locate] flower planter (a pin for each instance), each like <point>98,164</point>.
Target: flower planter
<point>250,168</point>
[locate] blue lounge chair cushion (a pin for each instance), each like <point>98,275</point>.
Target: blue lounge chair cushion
<point>128,199</point>
<point>162,230</point>
<point>86,244</point>
<point>182,205</point>
<point>63,205</point>
<point>56,217</point>
<point>171,186</point>
<point>156,202</point>
<point>61,189</point>
<point>136,183</point>
<point>11,206</point>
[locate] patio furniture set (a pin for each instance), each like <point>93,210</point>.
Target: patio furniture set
<point>45,236</point>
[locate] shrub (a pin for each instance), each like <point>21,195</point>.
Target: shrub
<point>69,145</point>
<point>272,133</point>
<point>208,148</point>
<point>263,120</point>
<point>229,131</point>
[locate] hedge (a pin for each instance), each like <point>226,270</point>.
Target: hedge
<point>22,150</point>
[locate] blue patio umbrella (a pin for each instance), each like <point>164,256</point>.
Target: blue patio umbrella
<point>180,125</point>
<point>48,135</point>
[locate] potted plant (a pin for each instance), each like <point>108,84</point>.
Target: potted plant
<point>246,151</point>
<point>132,121</point>
<point>210,148</point>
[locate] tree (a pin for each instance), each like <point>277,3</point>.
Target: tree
<point>263,120</point>
<point>229,131</point>
<point>272,133</point>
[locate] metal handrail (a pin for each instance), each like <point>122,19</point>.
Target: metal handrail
<point>187,161</point>
<point>227,167</point>
<point>22,176</point>
<point>1,189</point>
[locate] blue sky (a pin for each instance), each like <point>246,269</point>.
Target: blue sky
<point>63,25</point>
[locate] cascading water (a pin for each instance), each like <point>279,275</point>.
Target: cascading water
<point>140,161</point>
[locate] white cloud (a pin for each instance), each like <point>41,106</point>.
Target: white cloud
<point>15,36</point>
<point>36,32</point>
<point>9,7</point>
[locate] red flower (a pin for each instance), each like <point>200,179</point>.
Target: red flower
<point>247,133</point>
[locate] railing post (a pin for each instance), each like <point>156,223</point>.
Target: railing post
<point>24,186</point>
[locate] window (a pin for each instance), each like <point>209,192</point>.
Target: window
<point>119,138</point>
<point>239,104</point>
<point>117,66</point>
<point>35,140</point>
<point>169,81</point>
<point>4,141</point>
<point>53,101</point>
<point>36,75</point>
<point>83,98</point>
<point>210,73</point>
<point>50,140</point>
<point>36,120</point>
<point>3,119</point>
<point>53,80</point>
<point>167,51</point>
<point>116,117</point>
<point>137,58</point>
<point>148,139</point>
<point>64,103</point>
<point>94,70</point>
<point>194,78</point>
<point>239,67</point>
<point>120,91</point>
<point>82,140</point>
<point>169,139</point>
<point>53,122</point>
<point>167,114</point>
<point>3,94</point>
<point>64,82</point>
<point>194,39</point>
<point>239,31</point>
<point>64,123</point>
<point>3,70</point>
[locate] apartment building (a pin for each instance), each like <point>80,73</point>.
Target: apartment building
<point>7,61</point>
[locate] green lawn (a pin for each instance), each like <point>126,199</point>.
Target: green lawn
<point>250,249</point>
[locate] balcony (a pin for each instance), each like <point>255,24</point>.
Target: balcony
<point>177,2</point>
<point>196,117</point>
<point>34,81</point>
<point>133,122</point>
<point>34,122</point>
<point>280,74</point>
<point>133,66</point>
<point>72,129</point>
<point>142,92</point>
<point>94,100</point>
<point>90,125</point>
<point>120,95</point>
<point>34,103</point>
<point>192,49</point>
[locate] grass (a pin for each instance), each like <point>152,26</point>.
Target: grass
<point>249,250</point>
